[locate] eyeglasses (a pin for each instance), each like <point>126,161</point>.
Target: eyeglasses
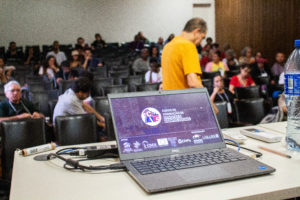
<point>15,90</point>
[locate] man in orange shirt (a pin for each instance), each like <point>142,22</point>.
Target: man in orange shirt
<point>180,61</point>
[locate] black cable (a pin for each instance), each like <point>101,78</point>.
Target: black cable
<point>75,164</point>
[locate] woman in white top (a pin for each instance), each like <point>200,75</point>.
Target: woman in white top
<point>154,74</point>
<point>50,68</point>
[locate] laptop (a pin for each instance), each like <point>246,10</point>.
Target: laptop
<point>171,139</point>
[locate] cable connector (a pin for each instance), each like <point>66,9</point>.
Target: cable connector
<point>118,166</point>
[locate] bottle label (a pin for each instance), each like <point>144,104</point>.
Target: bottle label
<point>292,84</point>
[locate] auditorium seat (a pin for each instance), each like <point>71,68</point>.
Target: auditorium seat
<point>247,92</point>
<point>19,134</point>
<point>148,87</point>
<point>132,81</point>
<point>76,129</point>
<point>208,83</point>
<point>222,115</point>
<point>64,85</point>
<point>115,89</point>
<point>250,110</point>
<point>210,75</point>
<point>99,84</point>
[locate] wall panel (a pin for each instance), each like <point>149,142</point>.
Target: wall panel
<point>266,25</point>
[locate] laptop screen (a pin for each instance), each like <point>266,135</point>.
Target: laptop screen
<point>147,123</point>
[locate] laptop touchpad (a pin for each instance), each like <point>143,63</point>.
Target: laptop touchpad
<point>204,173</point>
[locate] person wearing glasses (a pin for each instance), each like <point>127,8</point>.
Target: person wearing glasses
<point>14,107</point>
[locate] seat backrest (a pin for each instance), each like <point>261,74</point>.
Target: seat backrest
<point>119,74</point>
<point>64,85</point>
<point>36,87</point>
<point>101,105</point>
<point>210,75</point>
<point>132,82</point>
<point>222,115</point>
<point>148,87</point>
<point>76,129</point>
<point>99,84</point>
<point>19,134</point>
<point>51,104</point>
<point>247,92</point>
<point>262,80</point>
<point>115,89</point>
<point>250,110</point>
<point>207,83</point>
<point>42,99</point>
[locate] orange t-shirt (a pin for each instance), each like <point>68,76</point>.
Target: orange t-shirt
<point>179,58</point>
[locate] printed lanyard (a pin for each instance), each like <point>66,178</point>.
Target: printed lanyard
<point>13,107</point>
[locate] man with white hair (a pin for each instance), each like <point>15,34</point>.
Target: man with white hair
<point>14,107</point>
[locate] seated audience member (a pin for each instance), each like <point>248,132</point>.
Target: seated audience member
<point>204,58</point>
<point>5,72</point>
<point>80,44</point>
<point>216,64</point>
<point>136,44</point>
<point>31,57</point>
<point>71,102</point>
<point>59,55</point>
<point>243,79</point>
<point>14,107</point>
<point>260,70</point>
<point>230,60</point>
<point>13,54</point>
<point>246,56</point>
<point>219,93</point>
<point>142,64</point>
<point>64,73</point>
<point>281,79</point>
<point>90,62</point>
<point>142,38</point>
<point>49,69</point>
<point>99,43</point>
<point>154,74</point>
<point>278,66</point>
<point>160,44</point>
<point>209,42</point>
<point>171,36</point>
<point>154,53</point>
<point>76,60</point>
<point>258,55</point>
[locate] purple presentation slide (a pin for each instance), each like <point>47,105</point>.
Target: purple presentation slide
<point>164,121</point>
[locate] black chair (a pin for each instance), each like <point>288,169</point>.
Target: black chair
<point>148,87</point>
<point>99,84</point>
<point>222,115</point>
<point>247,92</point>
<point>20,134</point>
<point>99,72</point>
<point>41,99</point>
<point>210,75</point>
<point>64,85</point>
<point>262,80</point>
<point>250,110</point>
<point>208,83</point>
<point>232,73</point>
<point>132,81</point>
<point>51,104</point>
<point>101,105</point>
<point>118,74</point>
<point>115,89</point>
<point>36,87</point>
<point>76,129</point>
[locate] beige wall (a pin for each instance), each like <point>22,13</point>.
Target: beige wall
<point>35,22</point>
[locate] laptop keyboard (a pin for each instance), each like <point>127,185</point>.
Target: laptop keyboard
<point>177,162</point>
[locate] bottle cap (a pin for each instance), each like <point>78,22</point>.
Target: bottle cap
<point>297,43</point>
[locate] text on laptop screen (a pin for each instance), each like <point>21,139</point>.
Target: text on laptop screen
<point>164,121</point>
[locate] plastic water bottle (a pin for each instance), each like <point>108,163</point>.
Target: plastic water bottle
<point>292,96</point>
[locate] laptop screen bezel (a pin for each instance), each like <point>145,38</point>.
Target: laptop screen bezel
<point>170,151</point>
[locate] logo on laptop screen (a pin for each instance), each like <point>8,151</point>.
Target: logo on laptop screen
<point>151,116</point>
